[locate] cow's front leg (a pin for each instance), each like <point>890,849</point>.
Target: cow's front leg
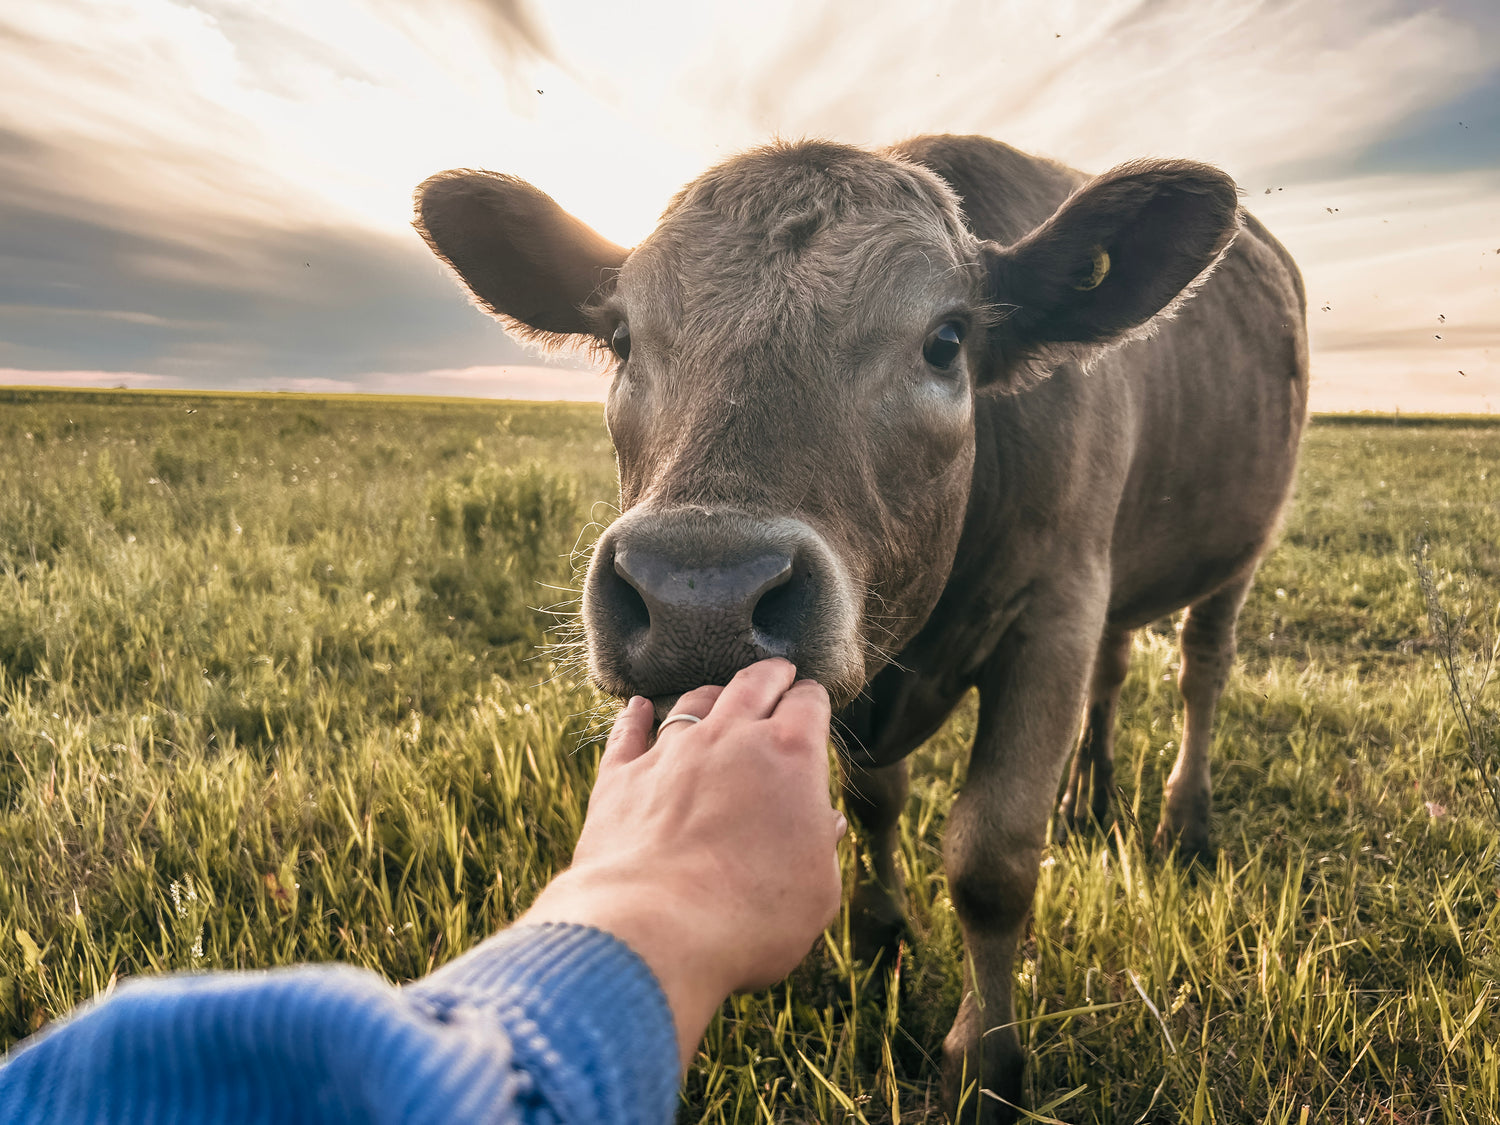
<point>1031,693</point>
<point>874,798</point>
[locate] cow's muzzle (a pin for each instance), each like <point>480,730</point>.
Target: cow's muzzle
<point>682,598</point>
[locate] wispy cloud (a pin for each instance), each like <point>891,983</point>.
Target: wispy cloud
<point>219,192</point>
<point>217,297</point>
<point>521,381</point>
<point>1403,287</point>
<point>27,377</point>
<point>1251,84</point>
<point>525,381</point>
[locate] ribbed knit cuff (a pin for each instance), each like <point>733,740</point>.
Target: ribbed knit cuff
<point>585,1015</point>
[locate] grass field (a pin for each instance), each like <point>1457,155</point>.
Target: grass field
<point>270,691</point>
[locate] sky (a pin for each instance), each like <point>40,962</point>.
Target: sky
<point>217,194</point>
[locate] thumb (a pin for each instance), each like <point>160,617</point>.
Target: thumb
<point>628,737</point>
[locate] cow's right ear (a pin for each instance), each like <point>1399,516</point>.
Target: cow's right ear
<point>523,257</point>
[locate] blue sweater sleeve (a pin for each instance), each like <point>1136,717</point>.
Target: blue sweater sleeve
<point>538,1024</point>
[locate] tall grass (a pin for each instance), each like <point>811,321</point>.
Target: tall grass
<point>273,688</point>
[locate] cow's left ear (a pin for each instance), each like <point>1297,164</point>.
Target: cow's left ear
<point>1124,247</point>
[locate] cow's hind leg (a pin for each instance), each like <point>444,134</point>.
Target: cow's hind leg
<point>1208,648</point>
<point>874,799</point>
<point>1091,783</point>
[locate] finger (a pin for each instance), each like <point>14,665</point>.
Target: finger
<point>628,737</point>
<point>699,701</point>
<point>801,723</point>
<point>755,691</point>
<point>805,707</point>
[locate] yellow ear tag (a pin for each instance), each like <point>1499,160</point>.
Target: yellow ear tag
<point>1099,273</point>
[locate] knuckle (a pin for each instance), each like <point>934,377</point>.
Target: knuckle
<point>796,738</point>
<point>788,740</point>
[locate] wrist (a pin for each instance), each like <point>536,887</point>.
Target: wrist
<point>664,927</point>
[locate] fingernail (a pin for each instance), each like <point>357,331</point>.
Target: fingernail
<point>635,702</point>
<point>842,825</point>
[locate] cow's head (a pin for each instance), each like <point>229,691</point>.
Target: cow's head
<point>798,347</point>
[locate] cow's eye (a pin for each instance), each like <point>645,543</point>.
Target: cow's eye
<point>944,344</point>
<point>619,343</point>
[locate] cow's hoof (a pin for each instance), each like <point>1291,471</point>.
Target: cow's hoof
<point>982,1073</point>
<point>1069,822</point>
<point>992,1098</point>
<point>1183,830</point>
<point>1189,844</point>
<point>1086,803</point>
<point>877,925</point>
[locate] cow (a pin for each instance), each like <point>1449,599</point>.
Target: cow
<point>924,419</point>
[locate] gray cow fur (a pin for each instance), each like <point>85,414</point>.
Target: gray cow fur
<point>1115,442</point>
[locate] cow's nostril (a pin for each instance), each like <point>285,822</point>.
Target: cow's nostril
<point>631,616</point>
<point>781,613</point>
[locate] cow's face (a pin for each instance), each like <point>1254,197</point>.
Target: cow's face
<point>793,419</point>
<point>797,348</point>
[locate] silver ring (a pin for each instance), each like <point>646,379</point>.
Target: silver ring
<point>670,719</point>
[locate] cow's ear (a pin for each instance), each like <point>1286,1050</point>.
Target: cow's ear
<point>523,257</point>
<point>1125,247</point>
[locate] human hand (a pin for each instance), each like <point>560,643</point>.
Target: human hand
<point>712,853</point>
<point>730,816</point>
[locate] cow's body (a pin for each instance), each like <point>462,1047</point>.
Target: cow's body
<point>1165,463</point>
<point>1013,550</point>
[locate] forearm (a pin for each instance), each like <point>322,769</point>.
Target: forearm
<point>554,1023</point>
